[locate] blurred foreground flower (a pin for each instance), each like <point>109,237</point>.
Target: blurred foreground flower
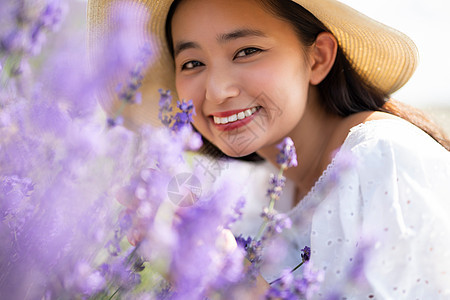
<point>64,234</point>
<point>91,210</point>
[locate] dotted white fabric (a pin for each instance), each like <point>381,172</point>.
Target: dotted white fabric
<point>388,191</point>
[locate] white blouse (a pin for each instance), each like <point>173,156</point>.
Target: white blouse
<point>386,191</point>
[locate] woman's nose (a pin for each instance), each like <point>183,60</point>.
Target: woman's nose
<point>221,85</point>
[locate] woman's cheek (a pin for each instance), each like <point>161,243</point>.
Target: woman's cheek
<point>189,89</point>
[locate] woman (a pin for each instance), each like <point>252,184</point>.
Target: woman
<point>320,73</point>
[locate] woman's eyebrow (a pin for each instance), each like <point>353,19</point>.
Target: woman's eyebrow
<point>183,45</point>
<point>239,33</point>
<point>222,38</point>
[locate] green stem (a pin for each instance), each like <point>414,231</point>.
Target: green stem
<point>292,271</point>
<point>298,266</point>
<point>131,255</point>
<point>120,110</point>
<point>10,64</point>
<point>112,296</point>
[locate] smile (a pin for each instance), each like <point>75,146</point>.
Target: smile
<point>221,120</point>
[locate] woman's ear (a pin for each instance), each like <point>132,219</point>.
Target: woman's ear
<point>323,54</point>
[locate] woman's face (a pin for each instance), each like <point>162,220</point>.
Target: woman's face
<point>245,70</point>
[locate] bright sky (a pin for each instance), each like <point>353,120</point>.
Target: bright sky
<point>427,22</point>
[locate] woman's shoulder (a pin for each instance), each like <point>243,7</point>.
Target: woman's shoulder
<point>382,145</point>
<point>360,128</point>
<point>372,130</point>
<point>368,124</point>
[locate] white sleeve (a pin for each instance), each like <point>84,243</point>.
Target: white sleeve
<point>405,191</point>
<point>395,201</point>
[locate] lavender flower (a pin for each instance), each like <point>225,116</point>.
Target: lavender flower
<point>277,183</point>
<point>129,93</point>
<point>301,287</point>
<point>306,254</point>
<point>243,242</point>
<point>283,290</point>
<point>142,198</point>
<point>121,272</point>
<point>197,228</point>
<point>116,121</point>
<point>165,108</point>
<point>273,223</point>
<point>287,157</point>
<point>236,214</point>
<point>184,117</point>
<point>278,223</point>
<point>190,139</point>
<point>28,36</point>
<point>252,247</point>
<point>23,29</point>
<point>57,210</point>
<point>84,280</point>
<point>49,19</point>
<point>65,225</point>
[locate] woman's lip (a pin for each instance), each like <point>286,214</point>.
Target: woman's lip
<point>228,113</point>
<point>234,125</point>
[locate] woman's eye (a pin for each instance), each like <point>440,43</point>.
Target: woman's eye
<point>247,51</point>
<point>191,65</point>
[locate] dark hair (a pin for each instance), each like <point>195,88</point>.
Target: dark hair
<point>343,91</point>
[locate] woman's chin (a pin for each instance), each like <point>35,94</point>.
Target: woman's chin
<point>237,151</point>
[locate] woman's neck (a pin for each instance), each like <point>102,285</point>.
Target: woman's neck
<point>311,137</point>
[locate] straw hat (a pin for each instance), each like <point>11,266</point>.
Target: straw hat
<point>381,55</point>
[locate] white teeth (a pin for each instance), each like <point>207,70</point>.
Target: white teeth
<point>233,118</point>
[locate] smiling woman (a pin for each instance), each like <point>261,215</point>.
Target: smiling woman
<point>373,173</point>
<point>226,67</point>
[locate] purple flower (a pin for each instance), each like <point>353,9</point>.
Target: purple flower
<point>12,42</point>
<point>254,250</point>
<point>13,191</point>
<point>198,228</point>
<point>306,254</point>
<point>287,157</point>
<point>184,117</point>
<point>120,272</point>
<point>301,287</point>
<point>84,280</point>
<point>129,93</point>
<point>282,289</point>
<point>278,223</point>
<point>28,36</point>
<point>243,242</point>
<point>277,183</point>
<point>112,122</point>
<point>237,212</point>
<point>310,283</point>
<point>165,108</point>
<point>190,139</point>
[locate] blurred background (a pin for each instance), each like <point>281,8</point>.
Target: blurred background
<point>426,22</point>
